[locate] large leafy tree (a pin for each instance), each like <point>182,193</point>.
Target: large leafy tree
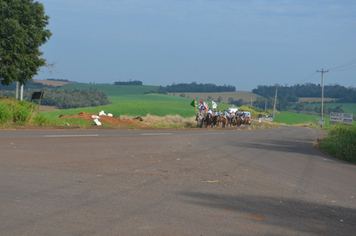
<point>22,32</point>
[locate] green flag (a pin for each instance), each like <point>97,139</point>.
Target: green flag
<point>194,103</point>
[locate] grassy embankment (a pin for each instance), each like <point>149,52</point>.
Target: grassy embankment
<point>22,113</point>
<point>340,143</point>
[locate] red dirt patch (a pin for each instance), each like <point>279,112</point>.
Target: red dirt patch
<point>109,120</point>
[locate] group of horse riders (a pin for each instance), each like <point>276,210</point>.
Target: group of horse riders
<point>217,118</point>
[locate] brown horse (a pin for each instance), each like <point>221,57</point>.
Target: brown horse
<point>209,120</point>
<point>221,121</point>
<point>238,120</point>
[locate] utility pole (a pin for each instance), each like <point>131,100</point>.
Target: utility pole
<point>322,90</point>
<point>17,90</point>
<point>275,100</point>
<point>21,92</point>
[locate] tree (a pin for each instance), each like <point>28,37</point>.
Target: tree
<point>22,32</point>
<point>238,103</point>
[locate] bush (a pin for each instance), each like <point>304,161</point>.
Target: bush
<point>41,120</point>
<point>13,112</point>
<point>5,114</point>
<point>340,143</point>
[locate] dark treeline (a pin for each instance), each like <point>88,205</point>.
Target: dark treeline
<point>65,98</point>
<point>197,88</point>
<point>292,93</point>
<point>29,85</point>
<point>135,82</point>
<point>61,80</point>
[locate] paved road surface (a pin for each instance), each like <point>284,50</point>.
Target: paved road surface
<point>221,182</point>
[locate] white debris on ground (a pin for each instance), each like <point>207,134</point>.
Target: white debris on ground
<point>97,122</point>
<point>96,118</point>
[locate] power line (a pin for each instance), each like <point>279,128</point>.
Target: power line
<point>345,68</point>
<point>350,63</point>
<point>309,77</point>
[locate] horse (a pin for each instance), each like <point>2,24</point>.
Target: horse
<point>209,120</point>
<point>221,121</point>
<point>231,120</point>
<point>246,120</point>
<point>215,120</point>
<point>238,120</point>
<point>200,120</point>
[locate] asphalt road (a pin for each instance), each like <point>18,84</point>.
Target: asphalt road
<point>196,182</point>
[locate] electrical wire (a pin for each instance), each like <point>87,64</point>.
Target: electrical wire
<point>308,78</point>
<point>350,63</point>
<point>345,68</point>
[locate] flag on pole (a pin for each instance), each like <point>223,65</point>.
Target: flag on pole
<point>206,106</point>
<point>194,103</point>
<point>201,105</point>
<point>214,105</point>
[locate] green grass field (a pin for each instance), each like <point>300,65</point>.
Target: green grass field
<point>291,118</point>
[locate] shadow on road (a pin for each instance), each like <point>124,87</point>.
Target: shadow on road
<point>293,215</point>
<point>291,145</point>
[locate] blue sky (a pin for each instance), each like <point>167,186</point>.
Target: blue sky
<point>232,42</point>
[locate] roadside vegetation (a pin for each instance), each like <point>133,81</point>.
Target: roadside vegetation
<point>340,143</point>
<point>13,112</point>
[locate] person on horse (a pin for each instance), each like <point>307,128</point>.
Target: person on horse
<point>215,118</point>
